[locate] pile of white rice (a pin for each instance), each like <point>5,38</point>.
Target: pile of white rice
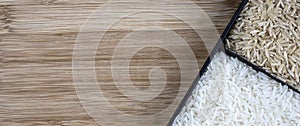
<point>267,33</point>
<point>232,93</point>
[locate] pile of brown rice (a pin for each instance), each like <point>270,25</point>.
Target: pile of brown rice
<point>267,33</point>
<point>231,93</point>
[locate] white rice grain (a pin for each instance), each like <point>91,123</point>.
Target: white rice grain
<point>231,93</point>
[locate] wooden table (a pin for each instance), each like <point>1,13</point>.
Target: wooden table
<point>38,39</point>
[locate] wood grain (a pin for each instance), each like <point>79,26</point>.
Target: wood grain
<point>37,39</point>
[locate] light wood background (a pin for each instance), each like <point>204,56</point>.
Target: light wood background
<point>37,39</point>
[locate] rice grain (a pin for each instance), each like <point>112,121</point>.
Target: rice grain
<point>273,33</point>
<point>231,93</point>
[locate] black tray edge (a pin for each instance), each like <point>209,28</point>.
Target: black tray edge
<point>258,69</point>
<point>204,69</point>
<point>219,47</point>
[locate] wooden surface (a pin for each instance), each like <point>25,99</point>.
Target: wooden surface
<point>37,40</point>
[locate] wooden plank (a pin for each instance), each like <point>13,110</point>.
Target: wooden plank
<point>37,39</point>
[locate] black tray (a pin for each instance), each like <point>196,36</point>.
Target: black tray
<point>219,47</point>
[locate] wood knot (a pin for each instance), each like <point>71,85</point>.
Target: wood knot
<point>5,19</point>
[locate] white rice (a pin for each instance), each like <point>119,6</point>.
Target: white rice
<point>232,93</point>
